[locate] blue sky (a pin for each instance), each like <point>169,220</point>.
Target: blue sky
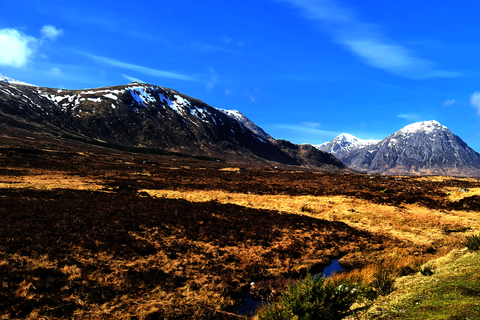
<point>304,70</point>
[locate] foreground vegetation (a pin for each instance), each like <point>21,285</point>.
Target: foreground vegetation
<point>444,288</point>
<point>450,291</point>
<point>89,233</point>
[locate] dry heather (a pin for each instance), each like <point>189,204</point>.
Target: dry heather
<point>89,232</point>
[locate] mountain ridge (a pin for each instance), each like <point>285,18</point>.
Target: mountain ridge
<point>144,115</point>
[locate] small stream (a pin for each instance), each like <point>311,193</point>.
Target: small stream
<point>250,305</point>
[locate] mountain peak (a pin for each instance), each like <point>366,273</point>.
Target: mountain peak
<point>424,126</point>
<point>346,137</point>
<point>344,144</point>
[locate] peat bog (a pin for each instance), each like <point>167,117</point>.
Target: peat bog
<point>80,239</point>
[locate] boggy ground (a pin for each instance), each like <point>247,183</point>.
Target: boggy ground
<point>90,232</point>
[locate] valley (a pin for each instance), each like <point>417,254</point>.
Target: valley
<point>90,232</point>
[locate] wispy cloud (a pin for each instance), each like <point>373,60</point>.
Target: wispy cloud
<point>310,124</point>
<point>409,116</point>
<point>306,129</point>
<point>132,79</point>
<point>56,71</point>
<point>16,48</point>
<point>366,40</point>
<point>448,102</point>
<point>141,69</point>
<point>475,101</point>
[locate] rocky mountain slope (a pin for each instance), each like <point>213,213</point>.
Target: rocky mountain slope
<point>423,148</point>
<point>143,115</point>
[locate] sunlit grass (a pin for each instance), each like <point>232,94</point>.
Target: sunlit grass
<point>411,222</point>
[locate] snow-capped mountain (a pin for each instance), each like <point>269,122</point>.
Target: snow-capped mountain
<point>423,148</point>
<point>237,115</point>
<point>344,144</point>
<point>143,115</point>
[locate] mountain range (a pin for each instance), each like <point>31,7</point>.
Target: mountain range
<point>149,116</point>
<point>422,148</point>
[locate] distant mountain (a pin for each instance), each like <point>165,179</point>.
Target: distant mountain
<point>344,144</point>
<point>423,148</point>
<point>143,115</point>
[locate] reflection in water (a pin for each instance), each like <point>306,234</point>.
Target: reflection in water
<point>331,269</point>
<point>250,306</point>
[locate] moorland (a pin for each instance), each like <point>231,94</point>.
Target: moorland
<point>89,232</point>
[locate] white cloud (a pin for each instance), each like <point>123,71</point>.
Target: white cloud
<point>132,79</point>
<point>50,32</point>
<point>140,69</point>
<point>16,48</point>
<point>367,42</point>
<point>475,101</point>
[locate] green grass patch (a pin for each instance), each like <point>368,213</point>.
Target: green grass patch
<point>451,292</point>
